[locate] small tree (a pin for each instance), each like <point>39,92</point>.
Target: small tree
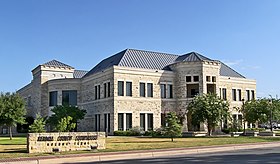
<point>209,109</point>
<point>38,125</point>
<point>173,127</point>
<point>12,110</point>
<point>63,112</point>
<point>65,124</point>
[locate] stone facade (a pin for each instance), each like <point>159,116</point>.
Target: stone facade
<point>138,105</point>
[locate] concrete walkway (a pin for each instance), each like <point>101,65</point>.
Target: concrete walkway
<point>97,157</point>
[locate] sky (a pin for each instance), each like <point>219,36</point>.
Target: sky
<point>243,34</point>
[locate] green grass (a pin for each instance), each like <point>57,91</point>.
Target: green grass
<point>17,147</point>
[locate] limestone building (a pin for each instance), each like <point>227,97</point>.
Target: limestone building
<point>134,88</point>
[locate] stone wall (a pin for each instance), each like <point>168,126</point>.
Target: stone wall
<point>65,141</point>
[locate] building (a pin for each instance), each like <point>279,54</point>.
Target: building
<point>134,88</point>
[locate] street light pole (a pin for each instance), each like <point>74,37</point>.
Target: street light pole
<point>270,103</point>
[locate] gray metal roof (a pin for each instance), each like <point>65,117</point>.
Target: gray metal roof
<point>192,56</point>
<point>155,60</point>
<point>227,71</point>
<point>56,63</point>
<point>79,73</point>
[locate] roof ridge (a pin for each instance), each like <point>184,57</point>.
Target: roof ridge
<point>153,52</point>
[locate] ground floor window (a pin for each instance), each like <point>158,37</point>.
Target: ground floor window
<point>146,121</point>
<point>107,122</point>
<point>97,122</point>
<point>124,121</point>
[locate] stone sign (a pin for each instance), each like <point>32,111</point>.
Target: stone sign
<point>65,141</point>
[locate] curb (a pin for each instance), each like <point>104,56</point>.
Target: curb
<point>109,156</point>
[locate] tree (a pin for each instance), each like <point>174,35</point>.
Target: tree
<point>65,124</point>
<point>12,110</point>
<point>62,112</point>
<point>38,125</point>
<point>261,111</point>
<point>173,127</point>
<point>209,109</point>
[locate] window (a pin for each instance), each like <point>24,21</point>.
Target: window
<point>170,90</point>
<point>105,90</point>
<point>224,94</point>
<point>52,99</point>
<point>97,92</point>
<point>196,78</point>
<point>108,89</point>
<point>253,94</point>
<point>120,121</point>
<point>213,78</point>
<point>248,95</point>
<point>128,121</point>
<point>163,90</point>
<point>97,122</point>
<point>188,79</point>
<point>239,95</point>
<point>149,89</point>
<point>150,121</point>
<point>69,97</point>
<point>128,88</point>
<point>120,88</point>
<point>208,78</point>
<point>142,90</point>
<point>107,122</point>
<point>234,94</point>
<point>142,121</point>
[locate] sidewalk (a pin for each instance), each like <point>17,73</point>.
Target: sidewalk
<point>97,157</point>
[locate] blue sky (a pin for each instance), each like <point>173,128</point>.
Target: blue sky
<point>243,34</point>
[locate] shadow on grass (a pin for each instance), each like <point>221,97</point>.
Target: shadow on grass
<point>7,151</point>
<point>140,142</point>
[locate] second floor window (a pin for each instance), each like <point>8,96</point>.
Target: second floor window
<point>233,94</point>
<point>150,90</point>
<point>128,88</point>
<point>142,90</point>
<point>120,88</point>
<point>69,97</point>
<point>224,94</point>
<point>170,90</point>
<point>163,90</point>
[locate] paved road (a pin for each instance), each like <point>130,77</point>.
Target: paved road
<point>264,155</point>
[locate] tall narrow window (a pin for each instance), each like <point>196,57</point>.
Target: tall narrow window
<point>163,90</point>
<point>248,95</point>
<point>253,94</point>
<point>234,94</point>
<point>52,98</point>
<point>97,122</point>
<point>96,92</point>
<point>120,121</point>
<point>120,88</point>
<point>224,90</point>
<point>150,89</point>
<point>109,89</point>
<point>105,90</point>
<point>128,121</point>
<point>128,88</point>
<point>142,121</point>
<point>239,95</point>
<point>107,122</point>
<point>170,91</point>
<point>142,90</point>
<point>69,97</point>
<point>150,121</point>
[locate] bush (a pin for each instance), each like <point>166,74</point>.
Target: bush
<point>231,129</point>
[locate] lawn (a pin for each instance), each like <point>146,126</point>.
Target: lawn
<point>17,147</point>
